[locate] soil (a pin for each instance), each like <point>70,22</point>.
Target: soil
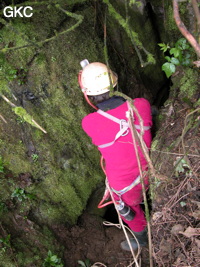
<point>91,240</point>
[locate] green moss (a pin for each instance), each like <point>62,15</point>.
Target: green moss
<point>19,34</point>
<point>28,254</point>
<point>8,186</point>
<point>6,259</point>
<point>189,83</point>
<point>16,159</point>
<point>67,169</point>
<point>151,59</point>
<point>3,208</point>
<point>24,260</point>
<point>4,86</point>
<point>154,144</point>
<point>29,246</point>
<point>38,135</point>
<point>197,104</point>
<point>170,25</point>
<point>66,197</point>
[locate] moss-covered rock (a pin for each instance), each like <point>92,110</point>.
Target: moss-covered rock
<point>63,165</point>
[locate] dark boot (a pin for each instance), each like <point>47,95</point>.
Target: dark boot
<point>141,238</point>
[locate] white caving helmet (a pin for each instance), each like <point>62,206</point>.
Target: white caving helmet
<point>96,78</point>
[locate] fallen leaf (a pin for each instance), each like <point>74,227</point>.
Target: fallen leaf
<point>195,214</point>
<point>165,246</point>
<point>162,177</point>
<point>189,232</point>
<point>180,258</point>
<point>157,215</point>
<point>196,202</point>
<point>197,63</point>
<point>176,229</point>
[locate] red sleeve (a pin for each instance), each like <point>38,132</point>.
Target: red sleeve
<point>85,124</point>
<point>89,123</point>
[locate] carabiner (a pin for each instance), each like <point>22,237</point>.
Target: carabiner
<point>123,123</point>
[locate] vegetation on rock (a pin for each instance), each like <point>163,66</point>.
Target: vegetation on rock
<point>47,177</point>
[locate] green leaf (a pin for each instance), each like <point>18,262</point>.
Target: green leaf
<point>186,62</point>
<point>182,44</point>
<point>21,191</point>
<point>182,203</point>
<point>49,253</point>
<point>54,258</point>
<point>168,68</point>
<point>175,61</point>
<point>21,112</point>
<point>180,165</point>
<point>164,47</point>
<point>87,262</point>
<point>187,55</point>
<point>81,263</point>
<point>168,58</point>
<point>175,51</point>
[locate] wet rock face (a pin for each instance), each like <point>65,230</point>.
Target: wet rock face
<point>29,95</point>
<point>44,83</point>
<point>129,54</point>
<point>137,6</point>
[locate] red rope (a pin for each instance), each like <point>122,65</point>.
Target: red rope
<point>88,101</point>
<point>84,92</point>
<point>106,194</point>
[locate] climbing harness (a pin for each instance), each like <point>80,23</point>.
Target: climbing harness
<point>117,192</point>
<point>127,188</point>
<point>123,131</point>
<point>119,204</point>
<point>123,124</point>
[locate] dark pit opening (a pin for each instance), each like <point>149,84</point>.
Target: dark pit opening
<point>112,216</point>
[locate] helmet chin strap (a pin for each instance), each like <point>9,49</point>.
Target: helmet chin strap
<point>88,101</point>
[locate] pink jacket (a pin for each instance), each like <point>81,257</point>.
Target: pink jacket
<point>121,163</point>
